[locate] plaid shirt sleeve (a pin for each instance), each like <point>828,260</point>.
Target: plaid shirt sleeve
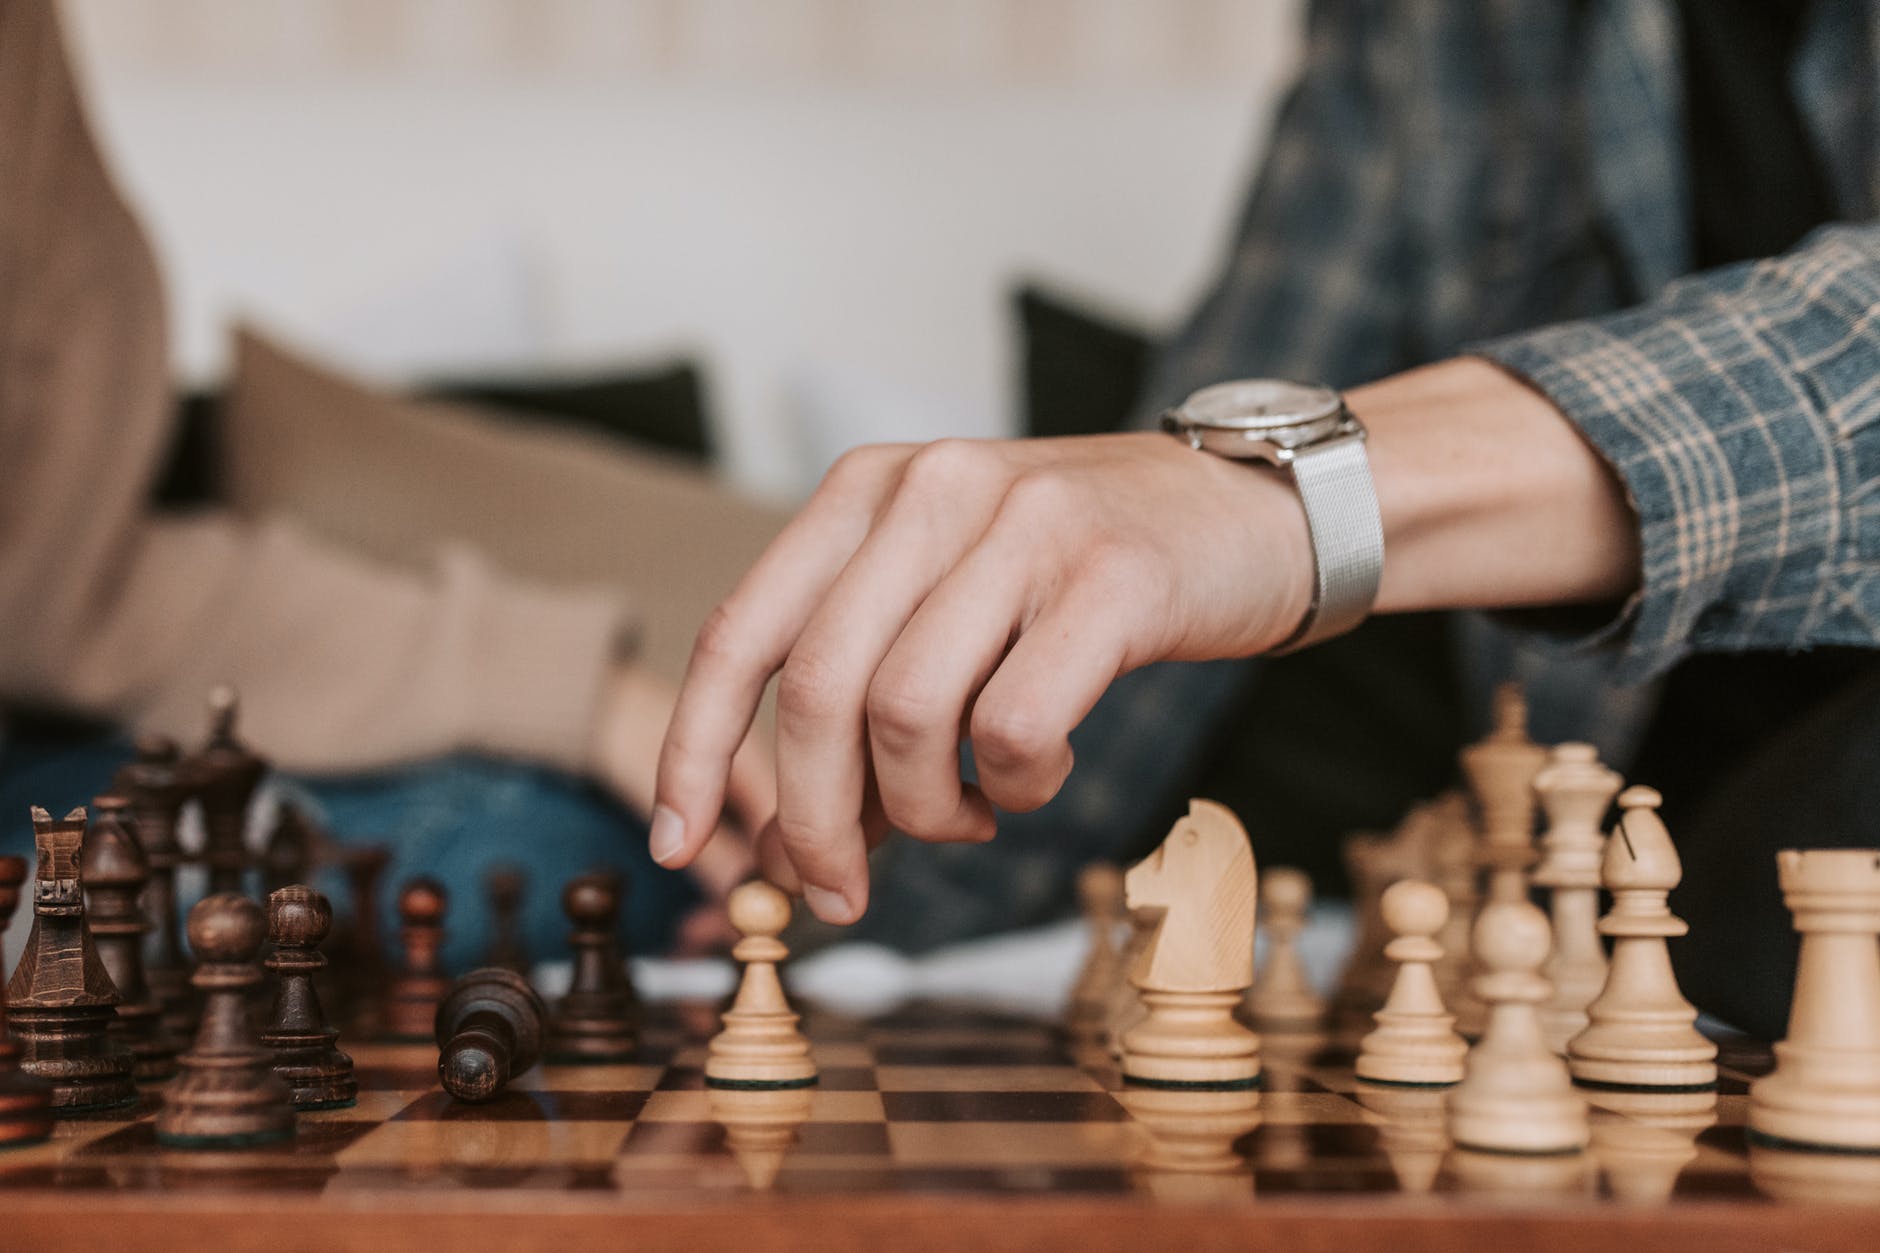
<point>1742,411</point>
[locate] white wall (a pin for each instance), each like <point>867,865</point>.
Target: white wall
<point>827,199</point>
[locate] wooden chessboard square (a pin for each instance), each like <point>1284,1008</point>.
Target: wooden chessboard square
<point>1011,1145</point>
<point>969,1053</point>
<point>517,1145</point>
<point>813,1139</point>
<point>694,1105</point>
<point>828,1078</point>
<point>373,1105</point>
<point>1022,1106</point>
<point>311,1139</point>
<point>614,1077</point>
<point>985,1079</point>
<point>527,1106</point>
<point>1310,1108</point>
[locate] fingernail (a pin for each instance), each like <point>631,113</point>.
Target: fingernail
<point>666,836</point>
<point>829,906</point>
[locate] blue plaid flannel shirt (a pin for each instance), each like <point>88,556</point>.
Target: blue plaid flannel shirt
<point>1449,174</point>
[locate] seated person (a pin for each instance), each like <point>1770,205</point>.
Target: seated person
<point>464,718</point>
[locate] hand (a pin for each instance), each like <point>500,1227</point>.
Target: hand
<point>985,589</point>
<point>635,710</point>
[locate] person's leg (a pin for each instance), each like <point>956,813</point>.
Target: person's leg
<point>1812,783</point>
<point>457,818</point>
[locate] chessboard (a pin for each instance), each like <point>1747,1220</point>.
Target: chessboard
<point>932,1126</point>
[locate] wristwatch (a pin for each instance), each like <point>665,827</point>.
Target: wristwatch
<point>1306,431</point>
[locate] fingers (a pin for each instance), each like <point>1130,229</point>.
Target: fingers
<point>942,502</point>
<point>751,791</point>
<point>746,639</point>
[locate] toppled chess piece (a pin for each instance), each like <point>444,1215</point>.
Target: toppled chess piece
<point>307,1056</point>
<point>113,871</point>
<point>1640,1030</point>
<point>411,1005</point>
<point>228,1096</point>
<point>504,886</point>
<point>1415,1042</point>
<point>1282,998</point>
<point>157,789</point>
<point>759,1046</point>
<point>224,774</point>
<point>1516,1096</point>
<point>25,1100</point>
<point>1575,791</point>
<point>595,1021</point>
<point>490,1028</point>
<point>61,996</point>
<point>1199,962</point>
<point>1824,1093</point>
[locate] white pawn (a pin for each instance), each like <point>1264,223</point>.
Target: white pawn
<point>1516,1096</point>
<point>1825,1090</point>
<point>1415,1041</point>
<point>1640,1030</point>
<point>1100,890</point>
<point>1282,997</point>
<point>759,1045</point>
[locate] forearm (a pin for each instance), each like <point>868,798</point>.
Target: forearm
<point>1490,498</point>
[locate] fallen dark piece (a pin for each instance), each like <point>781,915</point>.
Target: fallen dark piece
<point>489,1030</point>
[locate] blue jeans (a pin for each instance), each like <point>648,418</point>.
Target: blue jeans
<point>452,819</point>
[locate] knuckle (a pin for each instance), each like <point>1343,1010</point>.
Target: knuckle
<point>858,469</point>
<point>1007,739</point>
<point>717,642</point>
<point>809,690</point>
<point>1039,497</point>
<point>944,467</point>
<point>810,839</point>
<point>900,712</point>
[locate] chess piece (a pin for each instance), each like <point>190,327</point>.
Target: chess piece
<point>224,775</point>
<point>1125,1008</point>
<point>411,1004</point>
<point>1575,791</point>
<point>1373,862</point>
<point>490,1027</point>
<point>25,1100</point>
<point>228,1096</point>
<point>113,873</point>
<point>288,856</point>
<point>1516,1095</point>
<point>1199,961</point>
<point>1415,1043</point>
<point>759,1046</point>
<point>594,1022</point>
<point>359,956</point>
<point>505,885</point>
<point>1501,770</point>
<point>1100,892</point>
<point>157,789</point>
<point>1282,998</point>
<point>1640,1030</point>
<point>761,1127</point>
<point>61,997</point>
<point>306,1049</point>
<point>1824,1092</point>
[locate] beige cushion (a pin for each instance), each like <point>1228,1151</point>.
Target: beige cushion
<point>397,478</point>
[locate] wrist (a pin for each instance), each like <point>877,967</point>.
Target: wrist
<point>1489,497</point>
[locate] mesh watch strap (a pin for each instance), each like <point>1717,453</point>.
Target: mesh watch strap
<point>1334,481</point>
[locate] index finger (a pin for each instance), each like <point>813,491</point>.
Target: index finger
<point>747,638</point>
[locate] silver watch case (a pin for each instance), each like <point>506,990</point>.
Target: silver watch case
<point>1261,420</point>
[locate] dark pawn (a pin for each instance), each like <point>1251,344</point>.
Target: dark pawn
<point>411,1007</point>
<point>61,995</point>
<point>25,1100</point>
<point>489,1030</point>
<point>114,873</point>
<point>594,1022</point>
<point>506,885</point>
<point>306,1052</point>
<point>157,790</point>
<point>228,1096</point>
<point>224,776</point>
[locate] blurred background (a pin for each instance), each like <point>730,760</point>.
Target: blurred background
<point>754,232</point>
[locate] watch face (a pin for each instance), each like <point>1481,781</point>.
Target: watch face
<point>1263,406</point>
